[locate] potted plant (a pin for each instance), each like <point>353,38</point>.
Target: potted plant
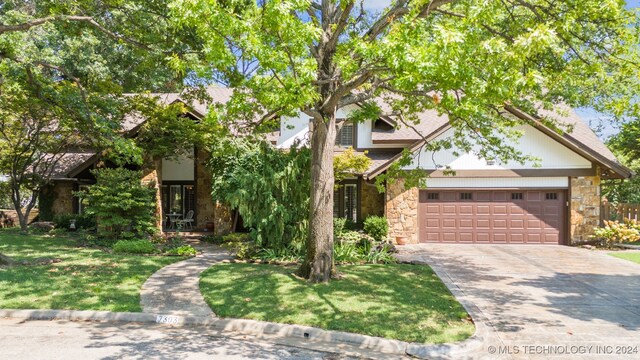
<point>401,239</point>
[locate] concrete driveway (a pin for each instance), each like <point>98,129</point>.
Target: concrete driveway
<point>542,301</point>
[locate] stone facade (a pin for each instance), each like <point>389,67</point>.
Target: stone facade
<point>371,201</point>
<point>206,209</point>
<point>152,176</point>
<point>402,211</point>
<point>585,207</point>
<point>62,197</point>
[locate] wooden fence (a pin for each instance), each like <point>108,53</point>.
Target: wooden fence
<point>11,214</point>
<point>620,211</point>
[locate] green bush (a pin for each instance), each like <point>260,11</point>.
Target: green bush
<point>213,239</point>
<point>83,221</point>
<point>184,250</point>
<point>345,253</point>
<point>338,226</point>
<point>125,208</point>
<point>134,247</point>
<point>236,237</point>
<point>244,250</point>
<point>377,227</point>
<point>349,237</point>
<point>280,255</point>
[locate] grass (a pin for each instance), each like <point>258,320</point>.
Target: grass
<point>85,279</point>
<point>628,255</point>
<point>400,301</point>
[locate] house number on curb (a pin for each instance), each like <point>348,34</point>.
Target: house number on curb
<point>167,319</point>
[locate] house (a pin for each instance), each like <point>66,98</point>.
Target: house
<point>554,201</point>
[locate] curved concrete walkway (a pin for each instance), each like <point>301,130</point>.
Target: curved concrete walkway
<point>175,289</point>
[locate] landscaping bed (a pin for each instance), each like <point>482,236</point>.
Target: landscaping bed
<point>80,278</point>
<point>397,301</point>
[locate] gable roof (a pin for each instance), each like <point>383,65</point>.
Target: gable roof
<point>581,139</point>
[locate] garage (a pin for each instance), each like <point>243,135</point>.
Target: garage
<point>492,216</point>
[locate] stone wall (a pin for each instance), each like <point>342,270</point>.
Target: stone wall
<point>152,175</point>
<point>371,202</point>
<point>206,209</point>
<point>402,211</point>
<point>585,207</point>
<point>62,198</point>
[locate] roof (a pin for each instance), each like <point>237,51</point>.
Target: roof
<point>575,134</point>
<point>579,137</point>
<point>69,162</point>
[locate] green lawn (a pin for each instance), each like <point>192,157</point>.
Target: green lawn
<point>628,255</point>
<point>86,279</point>
<point>404,302</point>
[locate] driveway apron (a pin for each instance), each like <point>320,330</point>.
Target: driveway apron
<point>543,301</point>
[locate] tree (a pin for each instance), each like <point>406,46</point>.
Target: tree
<point>63,68</point>
<point>626,145</point>
<point>471,60</point>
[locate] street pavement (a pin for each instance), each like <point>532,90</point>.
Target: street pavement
<point>34,340</point>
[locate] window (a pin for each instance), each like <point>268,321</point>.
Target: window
<point>345,136</point>
<point>433,196</point>
<point>345,201</point>
<point>517,196</point>
<point>551,196</point>
<point>466,196</point>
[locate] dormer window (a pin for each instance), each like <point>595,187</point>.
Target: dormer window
<point>346,135</point>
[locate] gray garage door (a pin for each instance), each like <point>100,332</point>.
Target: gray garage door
<point>492,216</point>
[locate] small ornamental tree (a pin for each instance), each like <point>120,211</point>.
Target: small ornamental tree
<point>123,207</point>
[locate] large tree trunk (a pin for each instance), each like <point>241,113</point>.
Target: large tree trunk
<point>318,263</point>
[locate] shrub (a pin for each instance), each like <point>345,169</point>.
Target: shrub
<point>134,247</point>
<point>183,250</point>
<point>338,226</point>
<point>242,249</point>
<point>280,255</point>
<point>83,221</point>
<point>349,237</point>
<point>377,227</point>
<point>236,237</point>
<point>213,239</point>
<point>125,208</point>
<point>345,253</point>
<point>615,232</point>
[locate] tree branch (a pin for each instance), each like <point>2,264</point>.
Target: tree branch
<point>81,19</point>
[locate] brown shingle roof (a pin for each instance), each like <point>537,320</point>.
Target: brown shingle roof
<point>69,162</point>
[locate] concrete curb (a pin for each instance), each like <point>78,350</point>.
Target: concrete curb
<point>258,328</point>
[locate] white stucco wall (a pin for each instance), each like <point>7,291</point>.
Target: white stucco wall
<point>180,169</point>
<point>297,128</point>
<point>552,155</point>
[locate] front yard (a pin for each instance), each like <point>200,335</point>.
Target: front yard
<point>84,279</point>
<point>404,302</point>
